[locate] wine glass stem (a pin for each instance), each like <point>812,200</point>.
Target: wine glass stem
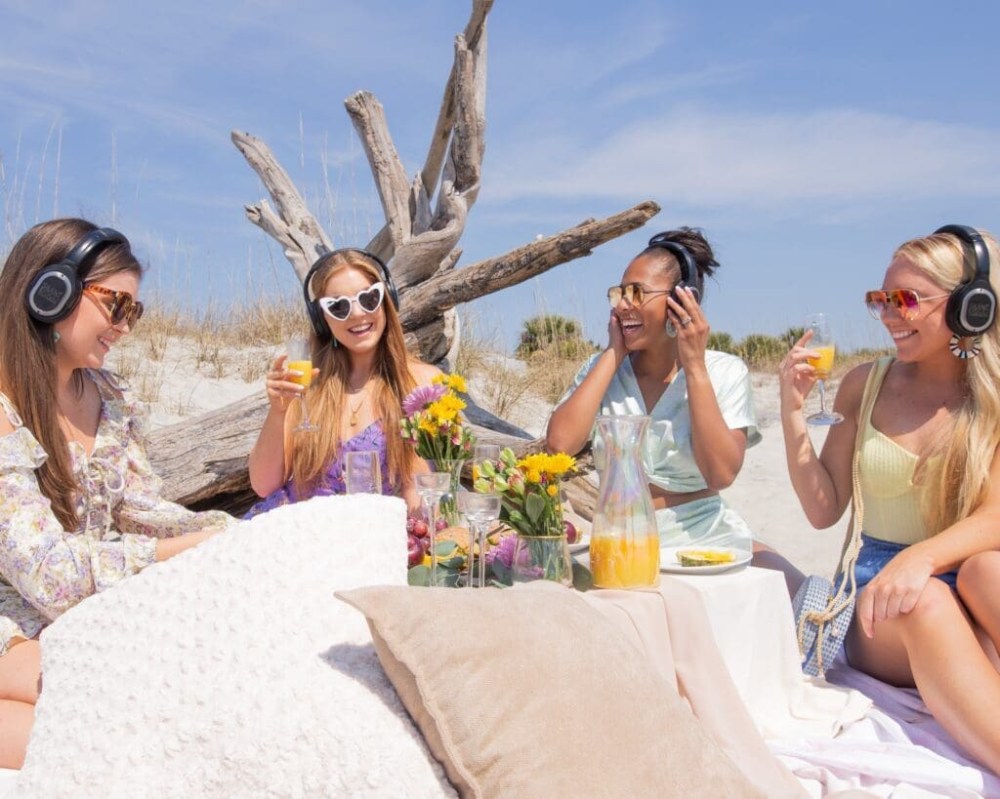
<point>432,533</point>
<point>822,396</point>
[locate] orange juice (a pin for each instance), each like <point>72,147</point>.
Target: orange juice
<point>824,363</point>
<point>305,367</point>
<point>625,562</point>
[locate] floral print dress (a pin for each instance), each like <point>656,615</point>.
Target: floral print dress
<point>44,569</point>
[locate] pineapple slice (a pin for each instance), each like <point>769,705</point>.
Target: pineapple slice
<point>704,557</point>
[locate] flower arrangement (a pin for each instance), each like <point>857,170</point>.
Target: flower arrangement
<point>432,421</point>
<point>529,489</point>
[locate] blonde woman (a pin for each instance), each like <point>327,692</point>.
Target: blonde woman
<point>364,372</point>
<point>928,613</point>
<point>80,508</point>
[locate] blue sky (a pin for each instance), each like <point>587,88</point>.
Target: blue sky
<point>807,140</point>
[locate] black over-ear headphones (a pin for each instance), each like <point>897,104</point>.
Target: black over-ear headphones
<point>312,306</point>
<point>972,306</point>
<point>55,291</point>
<point>686,262</point>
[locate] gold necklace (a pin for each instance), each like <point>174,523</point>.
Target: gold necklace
<point>352,419</point>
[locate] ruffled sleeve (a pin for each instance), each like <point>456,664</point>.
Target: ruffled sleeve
<point>143,509</point>
<point>50,568</point>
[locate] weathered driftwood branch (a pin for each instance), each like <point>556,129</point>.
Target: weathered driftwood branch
<point>203,461</point>
<point>294,227</point>
<point>449,289</point>
<point>475,29</point>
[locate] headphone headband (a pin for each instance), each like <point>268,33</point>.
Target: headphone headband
<point>972,306</point>
<point>685,261</point>
<point>56,289</point>
<point>312,306</point>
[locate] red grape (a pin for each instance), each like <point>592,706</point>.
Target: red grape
<point>571,532</point>
<point>419,528</point>
<point>414,550</point>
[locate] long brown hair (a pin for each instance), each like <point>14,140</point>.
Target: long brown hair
<point>27,349</point>
<point>955,483</point>
<point>327,399</point>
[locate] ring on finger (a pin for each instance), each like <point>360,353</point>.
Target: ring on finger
<point>686,321</point>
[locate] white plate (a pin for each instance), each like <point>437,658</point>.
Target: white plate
<point>581,544</point>
<point>670,563</point>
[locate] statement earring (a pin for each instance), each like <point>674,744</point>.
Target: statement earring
<point>965,347</point>
<point>55,336</point>
<point>333,342</point>
<point>671,330</point>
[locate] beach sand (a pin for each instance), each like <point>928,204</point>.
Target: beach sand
<point>762,493</point>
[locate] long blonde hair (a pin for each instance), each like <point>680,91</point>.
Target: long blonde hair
<point>955,483</point>
<point>327,399</point>
<point>28,353</point>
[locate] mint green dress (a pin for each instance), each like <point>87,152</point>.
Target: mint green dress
<point>667,454</point>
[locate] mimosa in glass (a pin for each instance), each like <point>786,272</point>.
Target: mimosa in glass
<point>299,360</point>
<point>822,343</point>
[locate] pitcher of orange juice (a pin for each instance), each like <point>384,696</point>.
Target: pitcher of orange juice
<point>624,542</point>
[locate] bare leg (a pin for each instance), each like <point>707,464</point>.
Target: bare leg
<point>978,579</point>
<point>935,648</point>
<point>766,558</point>
<point>20,673</point>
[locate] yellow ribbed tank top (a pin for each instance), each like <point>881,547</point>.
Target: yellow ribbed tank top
<point>891,500</point>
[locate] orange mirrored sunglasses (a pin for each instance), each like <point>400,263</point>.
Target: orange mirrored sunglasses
<point>122,307</point>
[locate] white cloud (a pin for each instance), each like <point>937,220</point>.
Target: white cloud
<point>765,160</point>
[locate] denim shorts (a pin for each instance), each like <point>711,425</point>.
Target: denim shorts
<point>875,553</point>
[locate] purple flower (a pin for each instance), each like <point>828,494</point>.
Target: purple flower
<point>421,397</point>
<point>504,551</point>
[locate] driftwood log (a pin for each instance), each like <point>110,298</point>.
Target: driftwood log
<point>204,461</point>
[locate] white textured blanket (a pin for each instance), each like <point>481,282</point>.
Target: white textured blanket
<point>232,671</point>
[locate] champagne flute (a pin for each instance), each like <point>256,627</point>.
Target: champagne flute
<point>299,359</point>
<point>823,343</point>
<point>362,472</point>
<point>480,510</point>
<point>432,486</point>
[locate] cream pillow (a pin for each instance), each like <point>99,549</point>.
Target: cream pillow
<point>530,691</point>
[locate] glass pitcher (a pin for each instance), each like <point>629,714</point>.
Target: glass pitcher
<point>624,542</point>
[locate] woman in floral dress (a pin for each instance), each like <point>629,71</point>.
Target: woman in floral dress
<point>80,507</point>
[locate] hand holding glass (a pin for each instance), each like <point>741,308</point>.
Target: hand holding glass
<point>362,472</point>
<point>480,510</point>
<point>823,343</point>
<point>299,359</point>
<point>432,486</point>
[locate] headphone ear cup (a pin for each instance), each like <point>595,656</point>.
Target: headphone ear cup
<point>971,308</point>
<point>54,293</point>
<point>953,312</point>
<point>316,319</point>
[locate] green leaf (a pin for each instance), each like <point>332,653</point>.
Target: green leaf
<point>419,575</point>
<point>445,549</point>
<point>534,506</point>
<point>455,563</point>
<point>583,580</point>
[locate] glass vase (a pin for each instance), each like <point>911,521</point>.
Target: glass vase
<point>624,541</point>
<point>541,557</point>
<point>449,502</point>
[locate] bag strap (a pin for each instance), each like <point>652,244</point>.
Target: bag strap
<point>846,588</point>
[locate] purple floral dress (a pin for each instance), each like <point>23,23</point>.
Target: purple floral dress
<point>44,569</point>
<point>332,482</point>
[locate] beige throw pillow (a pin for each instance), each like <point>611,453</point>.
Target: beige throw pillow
<point>531,692</point>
